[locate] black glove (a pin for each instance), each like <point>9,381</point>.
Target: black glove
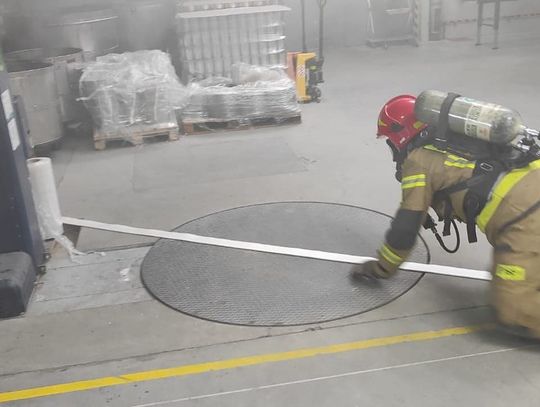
<point>368,271</point>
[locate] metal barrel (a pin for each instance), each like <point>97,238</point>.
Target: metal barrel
<point>95,31</point>
<point>143,24</point>
<point>31,54</point>
<point>65,61</point>
<point>35,83</point>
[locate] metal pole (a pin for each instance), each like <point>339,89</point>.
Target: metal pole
<point>303,7</point>
<point>496,24</point>
<point>322,5</point>
<point>480,22</point>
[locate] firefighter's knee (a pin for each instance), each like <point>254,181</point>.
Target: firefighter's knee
<point>516,290</point>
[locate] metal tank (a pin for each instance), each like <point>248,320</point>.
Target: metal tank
<point>143,24</point>
<point>473,118</point>
<point>93,31</point>
<point>66,62</point>
<point>32,54</point>
<point>35,83</point>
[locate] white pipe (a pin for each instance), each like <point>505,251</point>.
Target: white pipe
<point>266,248</point>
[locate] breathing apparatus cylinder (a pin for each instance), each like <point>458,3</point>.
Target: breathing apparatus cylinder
<point>485,121</point>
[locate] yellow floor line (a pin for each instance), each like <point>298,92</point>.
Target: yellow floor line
<point>188,370</point>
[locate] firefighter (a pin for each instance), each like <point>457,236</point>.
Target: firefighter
<point>510,215</point>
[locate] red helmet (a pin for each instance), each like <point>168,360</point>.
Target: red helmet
<point>398,122</point>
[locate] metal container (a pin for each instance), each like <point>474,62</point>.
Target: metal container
<point>473,118</point>
<point>65,61</point>
<point>93,31</point>
<point>144,24</point>
<point>33,54</point>
<point>35,83</point>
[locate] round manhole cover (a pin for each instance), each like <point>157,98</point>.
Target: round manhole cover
<point>260,289</point>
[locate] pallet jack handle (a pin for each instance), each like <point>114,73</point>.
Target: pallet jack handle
<point>303,8</point>
<point>322,6</point>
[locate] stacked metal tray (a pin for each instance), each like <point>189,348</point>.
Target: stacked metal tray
<point>212,40</point>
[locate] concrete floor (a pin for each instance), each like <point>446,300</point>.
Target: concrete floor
<point>95,320</point>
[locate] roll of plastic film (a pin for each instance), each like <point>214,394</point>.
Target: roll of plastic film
<point>45,197</point>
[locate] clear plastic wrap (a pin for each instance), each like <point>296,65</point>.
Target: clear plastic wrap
<point>244,73</point>
<point>258,99</point>
<point>45,198</point>
<point>130,89</point>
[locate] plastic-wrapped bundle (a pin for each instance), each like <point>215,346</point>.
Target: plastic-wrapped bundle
<point>260,99</point>
<point>245,73</point>
<point>138,88</point>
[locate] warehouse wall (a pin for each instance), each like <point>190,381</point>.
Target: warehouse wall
<point>455,10</point>
<point>345,21</point>
<point>26,17</point>
<point>459,13</point>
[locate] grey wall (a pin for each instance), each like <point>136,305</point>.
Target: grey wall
<point>457,12</point>
<point>25,18</point>
<point>345,22</point>
<point>460,9</point>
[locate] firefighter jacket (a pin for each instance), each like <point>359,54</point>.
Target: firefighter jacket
<point>510,219</point>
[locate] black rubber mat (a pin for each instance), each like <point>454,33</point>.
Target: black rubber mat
<point>249,288</point>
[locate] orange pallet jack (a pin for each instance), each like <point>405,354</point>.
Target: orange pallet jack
<point>305,68</point>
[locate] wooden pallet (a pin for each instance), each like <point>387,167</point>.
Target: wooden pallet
<point>136,136</point>
<point>193,127</point>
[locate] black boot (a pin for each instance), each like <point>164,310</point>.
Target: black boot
<point>516,330</point>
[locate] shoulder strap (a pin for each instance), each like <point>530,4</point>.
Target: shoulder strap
<point>460,186</point>
<point>444,196</point>
<point>443,125</point>
<point>477,195</point>
<point>479,187</point>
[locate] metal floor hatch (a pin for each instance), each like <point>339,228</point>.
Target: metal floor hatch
<point>259,289</point>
